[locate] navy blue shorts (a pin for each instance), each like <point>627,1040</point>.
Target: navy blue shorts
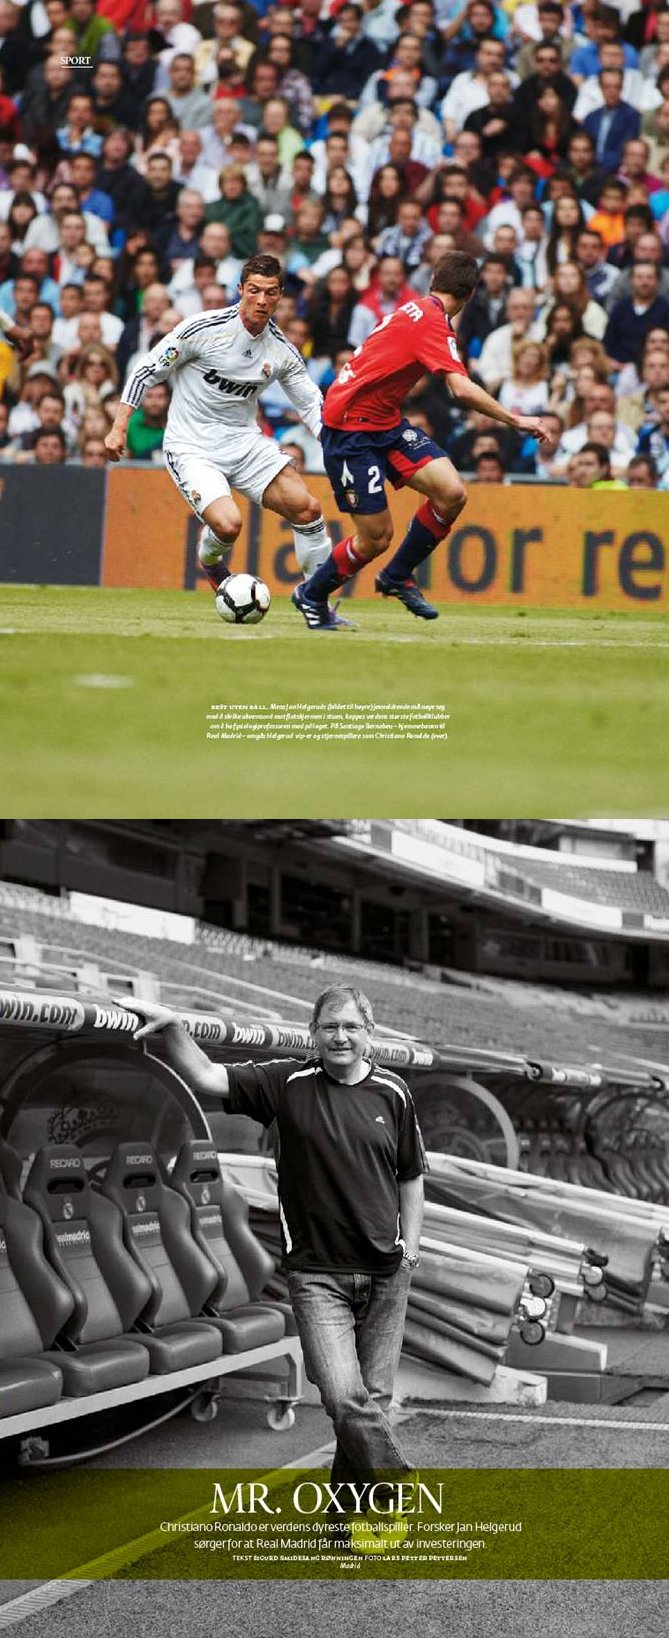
<point>358,464</point>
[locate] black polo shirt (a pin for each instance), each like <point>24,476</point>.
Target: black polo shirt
<point>342,1152</point>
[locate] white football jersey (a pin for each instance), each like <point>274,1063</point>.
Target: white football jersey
<point>217,371</point>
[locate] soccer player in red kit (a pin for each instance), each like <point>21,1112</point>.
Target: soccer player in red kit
<point>367,441</point>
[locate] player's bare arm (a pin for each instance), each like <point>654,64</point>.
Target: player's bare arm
<point>183,1052</point>
<point>115,441</point>
<point>468,393</point>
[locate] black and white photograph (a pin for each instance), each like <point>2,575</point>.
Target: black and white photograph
<point>334,1163</point>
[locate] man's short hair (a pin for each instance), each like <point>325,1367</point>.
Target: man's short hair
<point>644,460</point>
<point>266,267</point>
<point>342,992</point>
<point>593,448</point>
<point>50,432</point>
<point>456,274</point>
<point>339,110</point>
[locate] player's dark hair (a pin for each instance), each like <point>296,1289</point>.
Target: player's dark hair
<point>267,267</point>
<point>456,274</point>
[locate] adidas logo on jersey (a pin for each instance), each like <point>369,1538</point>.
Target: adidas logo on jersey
<point>240,389</point>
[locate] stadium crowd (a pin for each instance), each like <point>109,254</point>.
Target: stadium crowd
<point>147,149</point>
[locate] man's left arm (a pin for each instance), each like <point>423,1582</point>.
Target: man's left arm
<point>304,394</point>
<point>411,1214</point>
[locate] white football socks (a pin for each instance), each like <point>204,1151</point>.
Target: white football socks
<point>210,549</point>
<point>312,545</point>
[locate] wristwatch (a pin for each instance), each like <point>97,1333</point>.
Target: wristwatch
<point>411,1262</point>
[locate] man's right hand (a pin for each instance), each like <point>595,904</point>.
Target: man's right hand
<point>115,443</point>
<point>156,1016</point>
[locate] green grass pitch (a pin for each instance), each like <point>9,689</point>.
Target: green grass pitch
<point>104,698</point>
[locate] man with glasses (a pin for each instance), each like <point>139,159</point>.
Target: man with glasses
<point>350,1163</point>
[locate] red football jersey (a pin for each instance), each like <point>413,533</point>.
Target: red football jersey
<point>372,386</point>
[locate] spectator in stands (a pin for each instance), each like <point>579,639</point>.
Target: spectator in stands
<point>190,105</point>
<point>78,134</point>
<point>96,294</point>
<point>609,218</point>
<point>355,1377</point>
<point>65,328</point>
<point>593,468</point>
<point>527,384</point>
<point>590,255</point>
<point>45,105</point>
<point>347,57</point>
<point>228,31</point>
<point>408,238</point>
<point>113,102</point>
<point>496,360</point>
<point>384,296</point>
<point>137,332</point>
<point>118,180</point>
<point>22,212</point>
<point>642,473</point>
<point>268,181</point>
<point>489,468</point>
<point>614,123</point>
<point>159,133</point>
<point>88,28</point>
<point>93,452</point>
<point>13,296</point>
<point>238,209</point>
<point>183,242</point>
<point>51,417</point>
<point>146,427</point>
<point>495,122</point>
<point>15,49</point>
<point>547,71</point>
<point>569,284</point>
<point>174,34</point>
<point>486,310</point>
<point>50,448</point>
<point>470,89</point>
<point>633,317</point>
<point>653,437</point>
<point>330,311</point>
<point>93,370</point>
<point>137,67</point>
<point>293,85</point>
<point>42,326</point>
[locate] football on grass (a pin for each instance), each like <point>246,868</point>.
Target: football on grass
<point>242,600</point>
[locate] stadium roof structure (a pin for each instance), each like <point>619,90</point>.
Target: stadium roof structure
<point>607,897</point>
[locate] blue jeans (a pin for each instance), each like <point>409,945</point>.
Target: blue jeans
<point>351,1328</point>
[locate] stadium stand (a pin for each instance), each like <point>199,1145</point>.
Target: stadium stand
<point>140,166</point>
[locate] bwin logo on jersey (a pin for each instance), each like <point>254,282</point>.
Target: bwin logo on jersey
<point>239,389</point>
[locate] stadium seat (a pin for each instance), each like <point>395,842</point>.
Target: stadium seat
<point>179,1276</point>
<point>84,1244</point>
<point>11,1167</point>
<point>220,1222</point>
<point>35,1306</point>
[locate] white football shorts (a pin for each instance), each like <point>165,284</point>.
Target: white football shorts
<point>253,462</point>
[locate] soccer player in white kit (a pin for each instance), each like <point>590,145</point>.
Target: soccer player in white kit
<point>218,363</point>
